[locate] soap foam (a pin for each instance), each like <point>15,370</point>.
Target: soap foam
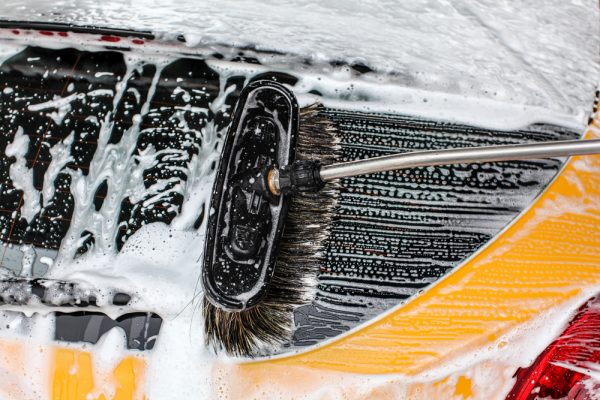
<point>442,61</point>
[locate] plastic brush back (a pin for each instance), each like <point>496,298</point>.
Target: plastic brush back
<point>245,225</point>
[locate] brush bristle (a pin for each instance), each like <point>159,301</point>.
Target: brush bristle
<point>269,324</point>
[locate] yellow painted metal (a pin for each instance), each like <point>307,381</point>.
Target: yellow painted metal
<point>33,371</point>
<point>74,378</point>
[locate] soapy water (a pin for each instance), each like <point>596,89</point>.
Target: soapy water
<point>178,366</point>
<point>518,52</point>
<point>177,192</point>
<point>489,370</point>
<point>96,247</point>
<point>160,262</point>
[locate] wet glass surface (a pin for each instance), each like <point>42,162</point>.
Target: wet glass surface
<point>96,145</point>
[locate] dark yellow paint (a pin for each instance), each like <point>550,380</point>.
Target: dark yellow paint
<point>73,378</point>
<point>464,387</point>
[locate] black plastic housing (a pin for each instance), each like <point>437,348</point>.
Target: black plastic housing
<point>301,176</point>
<point>246,224</point>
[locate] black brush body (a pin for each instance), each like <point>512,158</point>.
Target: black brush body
<point>245,225</point>
<point>263,252</point>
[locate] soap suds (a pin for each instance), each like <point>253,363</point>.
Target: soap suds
<point>22,176</point>
<point>505,71</point>
<point>518,52</point>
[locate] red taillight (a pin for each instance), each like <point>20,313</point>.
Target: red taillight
<point>562,370</point>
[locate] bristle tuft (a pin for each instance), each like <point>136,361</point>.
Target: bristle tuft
<point>268,325</point>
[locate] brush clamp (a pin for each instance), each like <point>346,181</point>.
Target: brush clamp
<point>301,176</point>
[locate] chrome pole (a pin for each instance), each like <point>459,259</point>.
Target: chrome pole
<point>467,155</point>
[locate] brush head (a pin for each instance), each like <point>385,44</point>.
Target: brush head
<point>267,325</point>
<point>245,226</point>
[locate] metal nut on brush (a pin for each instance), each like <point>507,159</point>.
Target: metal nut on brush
<point>301,176</point>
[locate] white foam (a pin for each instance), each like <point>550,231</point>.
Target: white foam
<point>22,176</point>
<point>524,62</point>
<point>522,52</point>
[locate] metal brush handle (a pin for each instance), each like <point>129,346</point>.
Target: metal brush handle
<point>467,155</point>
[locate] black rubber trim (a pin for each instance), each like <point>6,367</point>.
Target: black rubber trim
<point>62,27</point>
<point>141,329</point>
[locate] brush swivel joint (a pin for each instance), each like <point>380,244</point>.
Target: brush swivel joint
<point>301,176</point>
